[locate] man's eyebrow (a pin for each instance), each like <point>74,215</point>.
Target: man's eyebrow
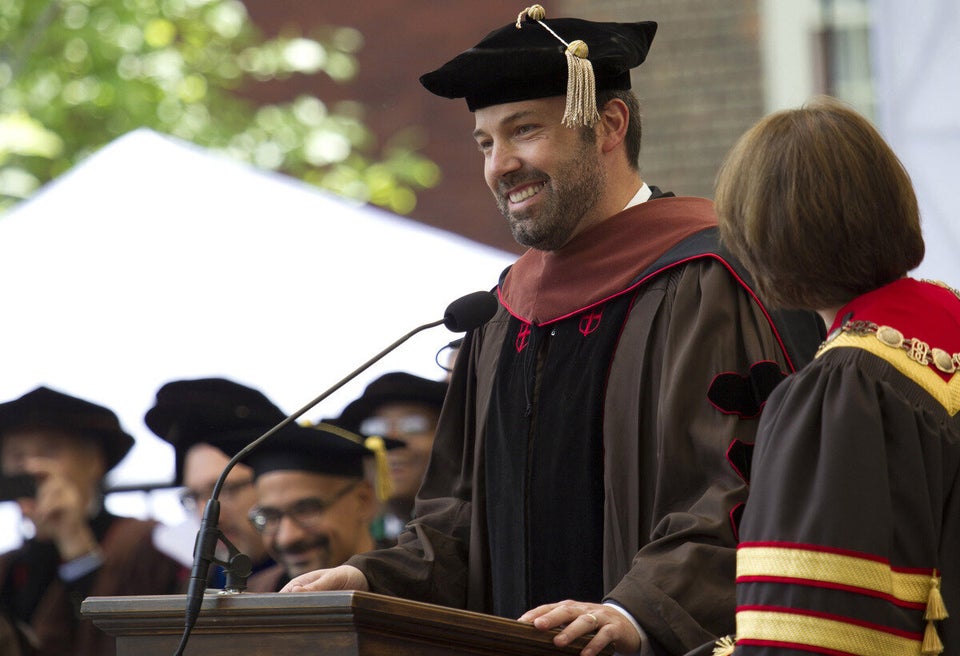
<point>509,118</point>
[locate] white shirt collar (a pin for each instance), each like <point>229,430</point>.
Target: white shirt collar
<point>642,196</point>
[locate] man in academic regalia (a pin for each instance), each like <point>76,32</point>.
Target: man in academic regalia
<point>315,500</point>
<point>208,421</point>
<point>405,408</point>
<point>66,445</point>
<point>589,466</point>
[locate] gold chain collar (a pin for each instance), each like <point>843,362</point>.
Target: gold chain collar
<point>915,349</point>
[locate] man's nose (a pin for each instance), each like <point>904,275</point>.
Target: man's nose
<point>502,160</point>
<point>288,532</point>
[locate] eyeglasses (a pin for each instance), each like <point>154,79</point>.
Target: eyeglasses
<point>193,500</point>
<point>305,512</point>
<point>401,426</point>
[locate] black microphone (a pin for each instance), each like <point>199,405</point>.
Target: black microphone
<point>470,311</point>
<point>466,313</point>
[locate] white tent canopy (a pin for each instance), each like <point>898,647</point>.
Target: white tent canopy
<point>155,260</point>
<point>918,90</point>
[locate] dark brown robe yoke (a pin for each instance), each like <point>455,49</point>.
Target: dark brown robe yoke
<point>669,496</point>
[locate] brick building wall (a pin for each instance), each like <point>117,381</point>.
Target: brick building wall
<point>700,87</point>
<point>404,39</point>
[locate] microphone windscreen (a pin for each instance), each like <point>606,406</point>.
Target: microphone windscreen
<point>470,311</point>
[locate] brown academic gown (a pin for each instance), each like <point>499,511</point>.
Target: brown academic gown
<point>674,409</point>
<point>131,566</point>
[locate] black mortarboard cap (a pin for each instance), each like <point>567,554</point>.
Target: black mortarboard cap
<point>393,387</point>
<point>321,448</point>
<point>529,59</point>
<point>47,408</point>
<point>214,411</point>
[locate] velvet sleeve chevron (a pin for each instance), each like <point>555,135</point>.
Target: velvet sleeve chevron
<point>850,543</point>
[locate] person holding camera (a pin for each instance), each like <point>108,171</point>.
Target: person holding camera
<point>63,447</point>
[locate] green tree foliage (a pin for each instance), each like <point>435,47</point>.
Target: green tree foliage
<point>76,74</point>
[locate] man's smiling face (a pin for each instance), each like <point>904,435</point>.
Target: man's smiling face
<point>547,178</point>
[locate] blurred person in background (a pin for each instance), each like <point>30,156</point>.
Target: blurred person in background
<point>405,408</point>
<point>64,446</point>
<point>208,421</point>
<point>315,500</point>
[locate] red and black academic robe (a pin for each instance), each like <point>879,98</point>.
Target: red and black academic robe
<point>851,537</point>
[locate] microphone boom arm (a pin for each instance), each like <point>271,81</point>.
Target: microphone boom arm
<point>466,313</point>
<point>296,415</point>
<point>209,534</point>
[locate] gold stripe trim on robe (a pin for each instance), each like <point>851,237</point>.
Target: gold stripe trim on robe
<point>832,568</point>
<point>785,629</point>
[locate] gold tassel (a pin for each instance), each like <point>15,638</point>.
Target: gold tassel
<point>383,486</point>
<point>379,448</point>
<point>725,646</point>
<point>932,645</point>
<point>581,109</point>
<point>936,609</point>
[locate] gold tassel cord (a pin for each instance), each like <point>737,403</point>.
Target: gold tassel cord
<point>379,448</point>
<point>376,445</point>
<point>581,109</point>
<point>533,12</point>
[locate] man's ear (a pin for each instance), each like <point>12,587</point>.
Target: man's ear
<point>612,128</point>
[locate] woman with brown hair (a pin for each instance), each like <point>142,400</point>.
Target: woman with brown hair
<point>850,541</point>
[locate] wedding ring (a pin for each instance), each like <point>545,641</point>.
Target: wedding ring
<point>593,617</point>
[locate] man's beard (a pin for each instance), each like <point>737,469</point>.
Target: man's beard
<point>572,192</point>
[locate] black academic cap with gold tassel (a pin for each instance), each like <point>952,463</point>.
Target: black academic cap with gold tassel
<point>323,448</point>
<point>537,57</point>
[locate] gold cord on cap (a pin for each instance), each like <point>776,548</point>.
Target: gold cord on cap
<point>581,109</point>
<point>581,106</point>
<point>379,448</point>
<point>374,444</point>
<point>533,12</point>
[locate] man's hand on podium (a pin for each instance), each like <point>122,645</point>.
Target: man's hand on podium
<point>608,625</point>
<point>344,577</point>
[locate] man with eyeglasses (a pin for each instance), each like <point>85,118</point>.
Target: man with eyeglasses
<point>405,408</point>
<point>315,504</point>
<point>208,421</point>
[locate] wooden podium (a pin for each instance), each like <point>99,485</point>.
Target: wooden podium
<point>321,623</point>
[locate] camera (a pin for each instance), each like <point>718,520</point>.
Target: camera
<point>17,486</point>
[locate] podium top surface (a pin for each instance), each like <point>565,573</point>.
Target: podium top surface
<point>350,612</point>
